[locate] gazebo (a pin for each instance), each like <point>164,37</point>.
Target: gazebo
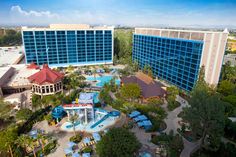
<point>46,81</point>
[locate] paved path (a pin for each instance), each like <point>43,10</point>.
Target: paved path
<point>172,124</point>
<point>189,147</point>
<point>172,119</point>
<point>144,138</point>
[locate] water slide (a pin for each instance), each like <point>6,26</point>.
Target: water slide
<point>110,114</point>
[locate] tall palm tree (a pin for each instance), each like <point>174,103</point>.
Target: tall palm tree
<point>41,139</point>
<point>26,141</point>
<point>73,119</point>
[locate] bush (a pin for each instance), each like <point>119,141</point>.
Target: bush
<point>77,138</point>
<point>49,147</point>
<point>87,150</point>
<point>24,114</point>
<point>173,105</point>
<point>173,143</point>
<point>155,101</point>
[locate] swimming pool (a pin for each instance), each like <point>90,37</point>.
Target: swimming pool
<point>102,80</point>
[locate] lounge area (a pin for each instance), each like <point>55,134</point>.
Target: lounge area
<point>141,120</point>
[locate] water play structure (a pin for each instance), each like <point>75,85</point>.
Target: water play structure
<point>58,112</point>
<point>90,119</point>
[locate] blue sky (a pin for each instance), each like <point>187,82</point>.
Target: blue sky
<point>123,12</point>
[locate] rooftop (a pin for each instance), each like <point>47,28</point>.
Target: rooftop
<point>3,70</point>
<point>149,87</point>
<point>46,75</point>
<point>20,78</point>
<point>10,55</point>
<point>176,33</point>
<point>68,27</point>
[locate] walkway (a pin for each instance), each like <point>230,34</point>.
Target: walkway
<point>172,124</point>
<point>144,138</point>
<point>172,118</point>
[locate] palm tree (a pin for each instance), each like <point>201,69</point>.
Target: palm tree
<point>26,141</point>
<point>73,119</point>
<point>41,139</point>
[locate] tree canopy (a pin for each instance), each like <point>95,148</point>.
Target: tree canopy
<point>130,91</point>
<point>4,109</point>
<point>118,142</point>
<point>11,38</point>
<point>24,114</point>
<point>206,115</point>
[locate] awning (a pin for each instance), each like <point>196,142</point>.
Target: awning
<point>86,140</point>
<point>140,118</point>
<point>134,114</point>
<point>86,155</point>
<point>68,151</point>
<point>96,136</point>
<point>71,144</point>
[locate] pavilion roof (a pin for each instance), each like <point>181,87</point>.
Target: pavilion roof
<point>46,75</point>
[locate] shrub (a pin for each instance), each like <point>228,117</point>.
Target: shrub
<point>87,150</point>
<point>49,147</point>
<point>77,138</point>
<point>173,105</point>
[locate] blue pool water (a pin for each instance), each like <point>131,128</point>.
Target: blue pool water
<point>102,80</point>
<point>95,99</point>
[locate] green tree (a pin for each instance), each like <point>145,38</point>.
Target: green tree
<point>118,142</point>
<point>24,114</point>
<point>123,45</point>
<point>27,141</point>
<point>7,139</point>
<point>36,101</point>
<point>226,87</point>
<point>229,72</point>
<point>130,91</point>
<point>206,114</point>
<point>5,109</point>
<point>74,119</point>
<point>172,92</point>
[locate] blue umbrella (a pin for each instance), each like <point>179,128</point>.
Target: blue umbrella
<point>86,155</point>
<point>86,140</point>
<point>71,144</point>
<point>96,136</point>
<point>75,155</point>
<point>68,150</point>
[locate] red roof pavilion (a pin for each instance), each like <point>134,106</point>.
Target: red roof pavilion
<point>46,75</point>
<point>32,66</point>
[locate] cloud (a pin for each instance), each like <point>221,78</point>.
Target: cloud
<point>19,11</point>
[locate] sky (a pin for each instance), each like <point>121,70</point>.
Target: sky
<point>119,12</point>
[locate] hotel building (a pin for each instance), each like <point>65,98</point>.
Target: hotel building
<point>177,55</point>
<point>62,45</point>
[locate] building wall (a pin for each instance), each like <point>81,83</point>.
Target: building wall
<point>174,60</point>
<point>68,47</point>
<point>177,55</point>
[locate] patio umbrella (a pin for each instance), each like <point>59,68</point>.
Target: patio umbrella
<point>75,155</point>
<point>86,155</point>
<point>71,144</point>
<point>140,118</point>
<point>86,140</point>
<point>68,150</point>
<point>96,136</point>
